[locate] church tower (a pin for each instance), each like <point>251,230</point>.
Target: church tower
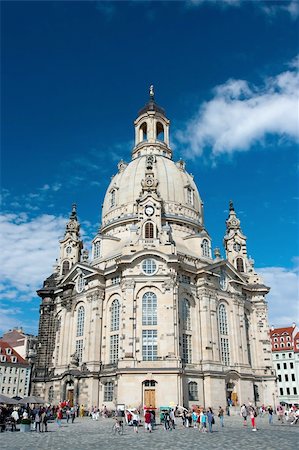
<point>71,245</point>
<point>236,248</point>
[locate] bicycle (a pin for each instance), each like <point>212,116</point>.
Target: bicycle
<point>118,427</point>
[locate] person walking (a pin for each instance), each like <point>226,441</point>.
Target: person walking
<point>211,419</point>
<point>172,417</point>
<point>252,414</point>
<point>135,420</point>
<point>37,420</point>
<point>44,421</point>
<point>68,415</point>
<point>147,421</point>
<point>203,421</point>
<point>221,416</point>
<point>73,413</point>
<point>244,414</point>
<point>59,417</point>
<point>270,412</point>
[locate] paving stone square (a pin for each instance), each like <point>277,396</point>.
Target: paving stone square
<point>87,434</point>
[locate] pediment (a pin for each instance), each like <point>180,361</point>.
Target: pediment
<point>78,269</point>
<point>224,266</point>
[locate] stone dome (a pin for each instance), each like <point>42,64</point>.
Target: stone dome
<point>175,187</point>
<point>152,171</point>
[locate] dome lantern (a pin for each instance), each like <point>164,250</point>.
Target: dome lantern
<point>151,130</point>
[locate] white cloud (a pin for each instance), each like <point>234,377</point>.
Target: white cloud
<point>240,115</point>
<point>29,248</point>
<point>290,7</point>
<point>284,295</point>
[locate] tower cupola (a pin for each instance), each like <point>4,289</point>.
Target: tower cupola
<point>151,130</point>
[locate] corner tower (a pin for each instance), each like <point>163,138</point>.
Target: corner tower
<point>71,245</point>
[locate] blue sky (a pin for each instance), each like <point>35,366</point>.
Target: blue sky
<point>75,74</point>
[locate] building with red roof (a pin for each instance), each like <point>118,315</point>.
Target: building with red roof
<point>285,355</point>
<point>14,372</point>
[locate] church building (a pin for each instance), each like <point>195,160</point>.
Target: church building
<point>153,316</point>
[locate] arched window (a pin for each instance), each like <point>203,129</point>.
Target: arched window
<point>240,265</point>
<point>97,249</point>
<point>205,248</point>
<point>115,307</point>
<point>149,230</point>
<point>160,131</point>
<point>143,132</point>
<point>112,198</point>
<point>193,390</point>
<point>51,394</point>
<point>186,315</point>
<point>65,267</point>
<point>149,309</point>
<point>80,284</point>
<point>223,331</point>
<point>80,321</point>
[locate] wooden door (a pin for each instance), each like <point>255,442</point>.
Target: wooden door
<point>149,398</point>
<point>70,397</point>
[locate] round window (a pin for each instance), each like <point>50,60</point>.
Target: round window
<point>149,266</point>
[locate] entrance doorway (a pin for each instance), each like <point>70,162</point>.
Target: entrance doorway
<point>70,396</point>
<point>150,398</point>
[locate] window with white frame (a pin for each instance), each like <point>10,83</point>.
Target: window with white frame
<point>115,309</point>
<point>205,248</point>
<point>149,309</point>
<point>190,196</point>
<point>97,249</point>
<point>80,321</point>
<point>149,266</point>
<point>223,332</point>
<point>186,348</point>
<point>115,280</point>
<point>193,390</point>
<point>186,315</point>
<point>108,391</point>
<point>225,356</point>
<point>79,349</point>
<point>114,341</point>
<point>149,345</point>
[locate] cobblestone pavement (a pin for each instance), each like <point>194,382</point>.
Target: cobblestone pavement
<point>86,434</point>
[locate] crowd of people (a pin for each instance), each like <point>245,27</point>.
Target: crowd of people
<point>198,417</point>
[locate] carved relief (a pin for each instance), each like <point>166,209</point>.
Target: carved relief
<point>127,284</point>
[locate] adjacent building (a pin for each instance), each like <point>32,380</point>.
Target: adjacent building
<point>23,343</point>
<point>285,354</point>
<point>14,372</point>
<point>154,316</point>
